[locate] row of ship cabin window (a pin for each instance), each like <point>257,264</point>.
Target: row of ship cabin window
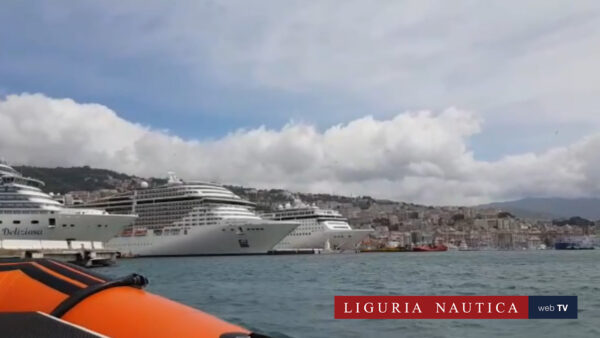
<point>34,221</point>
<point>16,221</point>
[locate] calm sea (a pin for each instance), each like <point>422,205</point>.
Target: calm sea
<point>292,296</point>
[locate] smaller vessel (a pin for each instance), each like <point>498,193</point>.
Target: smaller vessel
<point>327,247</point>
<point>452,247</point>
<point>574,243</point>
<point>430,248</point>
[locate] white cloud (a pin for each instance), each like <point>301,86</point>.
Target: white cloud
<point>415,156</point>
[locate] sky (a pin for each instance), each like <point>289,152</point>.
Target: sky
<point>433,102</point>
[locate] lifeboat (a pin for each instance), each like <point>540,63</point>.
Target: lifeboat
<point>140,232</point>
<point>48,295</point>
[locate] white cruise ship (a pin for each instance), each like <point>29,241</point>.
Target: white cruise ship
<point>191,218</point>
<point>26,212</point>
<point>319,228</point>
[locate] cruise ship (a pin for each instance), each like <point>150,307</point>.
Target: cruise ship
<point>26,212</point>
<point>319,228</point>
<point>188,218</point>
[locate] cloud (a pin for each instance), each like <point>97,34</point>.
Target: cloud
<point>420,156</point>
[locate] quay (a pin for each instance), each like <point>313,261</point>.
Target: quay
<point>385,250</point>
<point>308,251</point>
<point>83,253</point>
<point>296,252</point>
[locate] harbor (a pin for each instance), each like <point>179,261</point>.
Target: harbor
<point>299,169</point>
<point>179,217</point>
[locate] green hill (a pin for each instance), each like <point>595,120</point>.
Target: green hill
<point>62,180</point>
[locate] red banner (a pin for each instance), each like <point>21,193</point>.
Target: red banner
<point>431,307</point>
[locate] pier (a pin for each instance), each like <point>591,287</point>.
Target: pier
<point>83,253</point>
<point>307,251</point>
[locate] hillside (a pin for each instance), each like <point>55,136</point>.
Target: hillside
<point>62,180</point>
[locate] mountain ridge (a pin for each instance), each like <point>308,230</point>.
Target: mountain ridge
<point>550,207</point>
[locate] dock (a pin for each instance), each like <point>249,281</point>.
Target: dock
<point>308,251</point>
<point>83,253</point>
<point>295,252</point>
<point>386,250</point>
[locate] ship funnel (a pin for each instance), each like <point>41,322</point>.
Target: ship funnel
<point>172,178</point>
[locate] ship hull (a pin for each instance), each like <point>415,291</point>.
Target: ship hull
<point>427,248</point>
<point>575,243</point>
<point>63,226</point>
<point>228,238</point>
<point>303,240</point>
<point>572,246</point>
<point>338,240</point>
<point>349,239</point>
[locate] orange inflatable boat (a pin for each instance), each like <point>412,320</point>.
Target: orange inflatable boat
<point>52,296</point>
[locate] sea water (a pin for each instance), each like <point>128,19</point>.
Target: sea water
<point>292,296</point>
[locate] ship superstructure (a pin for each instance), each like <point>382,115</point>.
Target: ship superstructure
<point>26,212</point>
<point>319,228</point>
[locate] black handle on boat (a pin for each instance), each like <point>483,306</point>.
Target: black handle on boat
<point>133,280</point>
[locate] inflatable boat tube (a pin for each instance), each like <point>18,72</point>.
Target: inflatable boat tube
<point>109,307</point>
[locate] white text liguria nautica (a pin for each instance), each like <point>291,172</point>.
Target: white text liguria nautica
<point>441,307</point>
